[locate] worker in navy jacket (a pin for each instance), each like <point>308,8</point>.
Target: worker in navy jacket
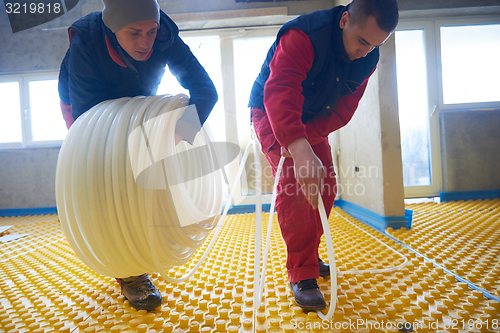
<point>310,85</point>
<point>108,60</point>
<point>122,52</point>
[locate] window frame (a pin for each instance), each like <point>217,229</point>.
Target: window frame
<point>24,80</point>
<point>432,40</point>
<point>19,80</point>
<point>226,37</point>
<point>433,118</point>
<point>464,21</point>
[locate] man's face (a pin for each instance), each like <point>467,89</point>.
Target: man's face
<point>137,39</point>
<point>361,38</point>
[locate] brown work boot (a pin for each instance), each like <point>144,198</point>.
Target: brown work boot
<point>307,295</point>
<point>141,292</point>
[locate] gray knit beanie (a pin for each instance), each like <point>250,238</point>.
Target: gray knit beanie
<point>120,13</point>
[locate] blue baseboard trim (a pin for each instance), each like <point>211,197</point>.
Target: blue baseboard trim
<point>469,195</point>
<point>28,211</point>
<point>241,209</point>
<point>53,210</point>
<point>376,221</point>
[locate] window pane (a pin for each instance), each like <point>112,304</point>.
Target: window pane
<point>10,113</point>
<point>249,55</point>
<point>47,122</point>
<point>413,107</point>
<point>207,50</point>
<point>469,56</point>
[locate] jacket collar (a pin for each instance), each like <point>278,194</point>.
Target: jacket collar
<point>113,53</point>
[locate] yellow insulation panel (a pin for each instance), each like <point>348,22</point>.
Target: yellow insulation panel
<point>44,287</point>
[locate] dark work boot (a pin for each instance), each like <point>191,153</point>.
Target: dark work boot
<point>324,268</point>
<point>307,295</point>
<point>141,292</point>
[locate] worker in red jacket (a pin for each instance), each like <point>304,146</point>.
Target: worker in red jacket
<point>309,86</point>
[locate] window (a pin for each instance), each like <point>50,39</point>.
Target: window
<point>10,113</point>
<point>413,107</point>
<point>207,50</point>
<point>249,55</point>
<point>469,57</point>
<point>232,58</point>
<point>30,114</point>
<point>449,65</point>
<point>47,121</point>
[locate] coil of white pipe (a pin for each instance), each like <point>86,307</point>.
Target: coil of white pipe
<point>115,226</point>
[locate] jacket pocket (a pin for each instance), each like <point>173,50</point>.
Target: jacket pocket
<point>350,87</point>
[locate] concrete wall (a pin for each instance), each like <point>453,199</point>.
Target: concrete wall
<point>27,178</point>
<point>360,148</point>
<point>369,151</point>
<point>470,143</point>
<point>37,49</point>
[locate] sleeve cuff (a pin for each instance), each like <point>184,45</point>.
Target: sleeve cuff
<point>291,137</point>
<point>189,124</point>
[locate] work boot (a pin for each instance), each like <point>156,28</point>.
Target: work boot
<point>324,268</point>
<point>307,295</point>
<point>141,292</point>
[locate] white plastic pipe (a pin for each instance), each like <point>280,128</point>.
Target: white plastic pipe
<point>329,247</point>
<point>219,225</point>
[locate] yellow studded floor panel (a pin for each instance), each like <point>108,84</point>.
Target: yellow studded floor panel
<point>45,288</point>
<point>463,237</point>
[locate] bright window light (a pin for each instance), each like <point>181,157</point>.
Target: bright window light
<point>47,121</point>
<point>413,107</point>
<point>207,50</point>
<point>249,55</point>
<point>471,66</point>
<point>10,113</point>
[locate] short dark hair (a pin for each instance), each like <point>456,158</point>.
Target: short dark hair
<point>385,12</point>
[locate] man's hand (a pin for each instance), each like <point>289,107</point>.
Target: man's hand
<point>285,153</point>
<point>309,170</point>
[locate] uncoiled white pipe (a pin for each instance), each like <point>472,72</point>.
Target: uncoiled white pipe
<point>219,225</point>
<point>329,247</point>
